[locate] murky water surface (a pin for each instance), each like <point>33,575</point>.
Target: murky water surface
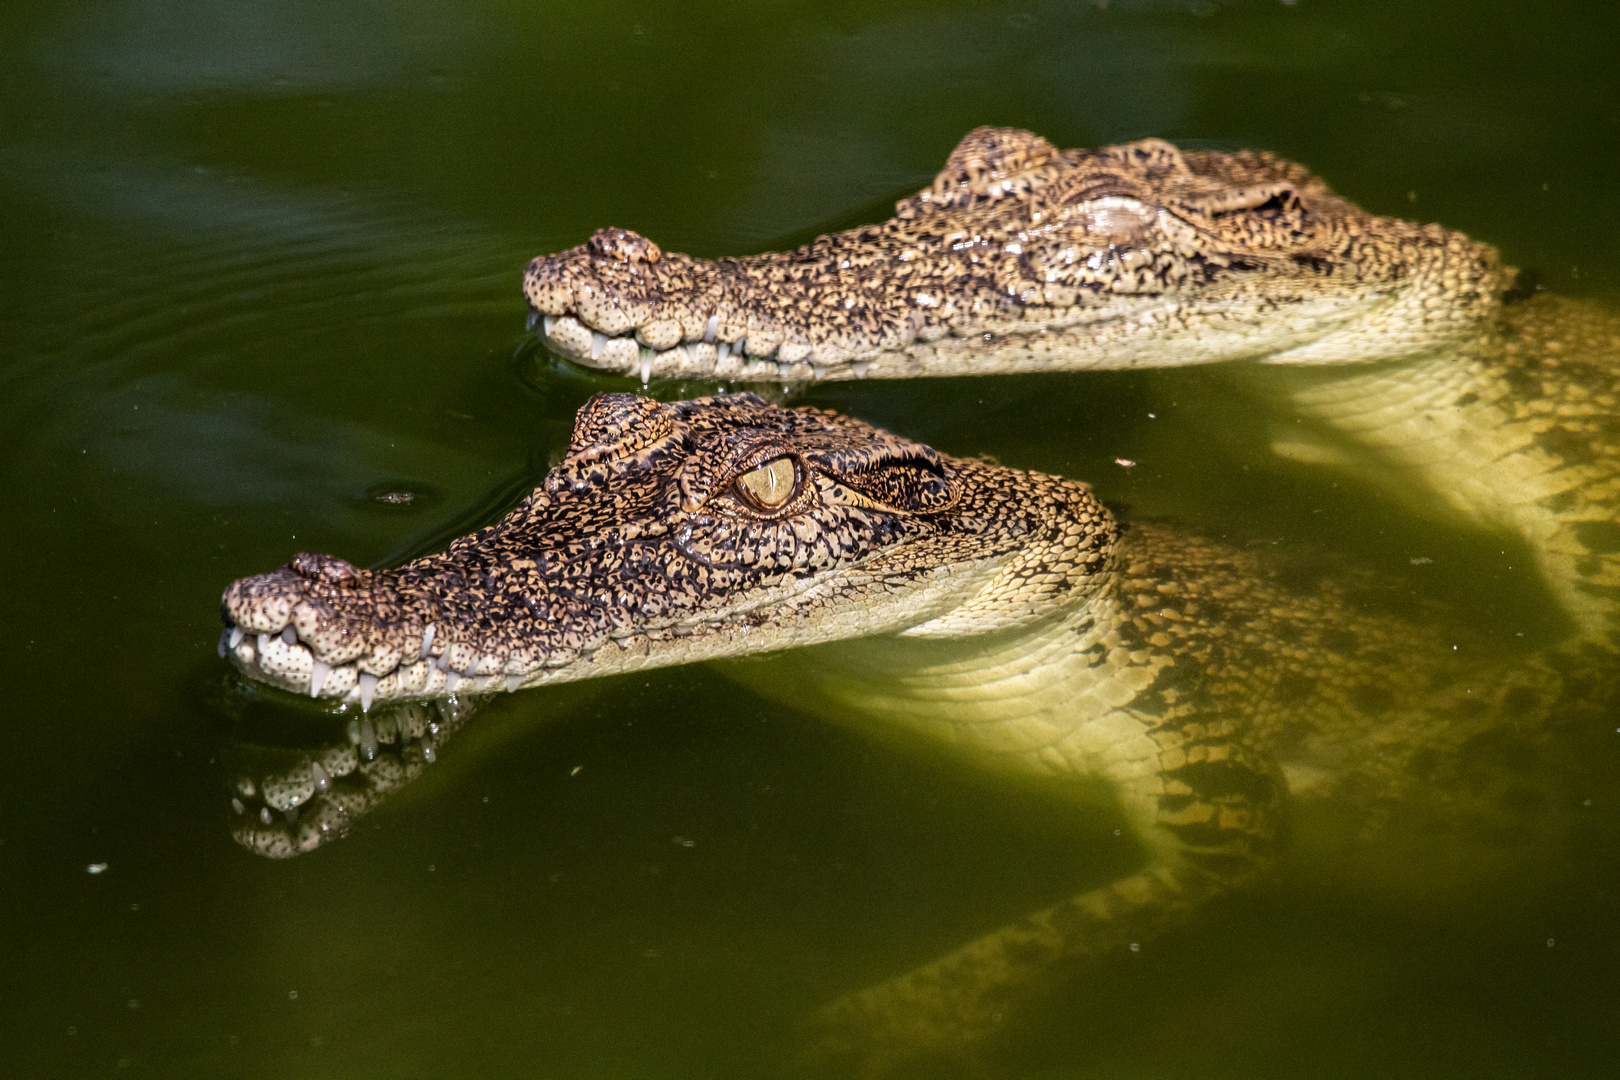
<point>259,265</point>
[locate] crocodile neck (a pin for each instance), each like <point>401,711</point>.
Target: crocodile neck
<point>1513,429</point>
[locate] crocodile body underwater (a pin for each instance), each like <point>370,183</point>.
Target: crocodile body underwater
<point>1006,615</point>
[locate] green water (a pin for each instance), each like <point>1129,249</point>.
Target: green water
<point>259,261</point>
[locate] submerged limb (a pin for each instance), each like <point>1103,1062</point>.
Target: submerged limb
<point>1519,430</point>
<point>951,1005</point>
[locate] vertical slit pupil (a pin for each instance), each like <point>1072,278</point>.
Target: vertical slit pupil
<point>771,484</point>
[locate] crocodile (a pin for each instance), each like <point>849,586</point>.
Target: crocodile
<point>1006,615</point>
<point>1418,360</point>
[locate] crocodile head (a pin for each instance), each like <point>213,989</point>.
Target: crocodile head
<point>679,532</point>
<point>1020,257</point>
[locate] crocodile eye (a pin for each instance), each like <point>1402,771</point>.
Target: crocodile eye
<point>771,485</point>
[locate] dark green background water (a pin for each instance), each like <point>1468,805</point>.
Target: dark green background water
<point>258,260</point>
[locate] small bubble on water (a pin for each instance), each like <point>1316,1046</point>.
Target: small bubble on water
<point>292,995</point>
<point>1135,947</point>
<point>101,867</point>
<point>1551,942</point>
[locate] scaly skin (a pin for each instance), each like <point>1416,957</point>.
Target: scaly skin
<point>1020,258</point>
<point>1000,612</point>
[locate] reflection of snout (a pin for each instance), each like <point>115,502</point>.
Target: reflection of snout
<point>290,801</point>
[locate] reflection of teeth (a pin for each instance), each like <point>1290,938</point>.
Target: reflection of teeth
<point>236,804</point>
<point>322,781</point>
<point>368,740</point>
<point>264,814</point>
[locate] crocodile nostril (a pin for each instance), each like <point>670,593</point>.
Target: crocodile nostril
<point>624,245</point>
<point>325,568</point>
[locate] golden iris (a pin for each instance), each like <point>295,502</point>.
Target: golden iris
<point>771,485</point>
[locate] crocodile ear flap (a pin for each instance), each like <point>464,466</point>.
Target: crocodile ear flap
<point>1261,200</point>
<point>987,164</point>
<point>910,487</point>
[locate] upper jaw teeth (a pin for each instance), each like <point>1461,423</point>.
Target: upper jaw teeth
<point>282,659</point>
<point>705,358</point>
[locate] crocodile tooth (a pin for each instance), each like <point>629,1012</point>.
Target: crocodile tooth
<point>368,690</point>
<point>859,368</point>
<point>513,682</point>
<point>368,740</point>
<point>318,671</point>
<point>712,329</point>
<point>725,350</point>
<point>532,320</point>
<point>224,636</point>
<point>547,323</point>
<point>817,371</point>
<point>427,639</point>
<point>289,636</point>
<point>646,366</point>
<point>318,774</point>
<point>598,343</point>
<point>236,637</point>
<point>784,371</point>
<point>741,346</point>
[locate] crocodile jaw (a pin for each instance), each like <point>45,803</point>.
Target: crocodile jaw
<point>1021,258</point>
<point>409,660</point>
